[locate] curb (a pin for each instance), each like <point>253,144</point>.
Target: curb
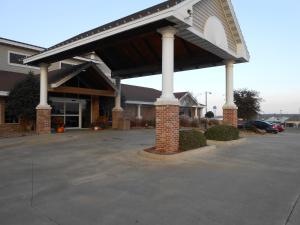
<point>180,156</point>
<point>227,143</point>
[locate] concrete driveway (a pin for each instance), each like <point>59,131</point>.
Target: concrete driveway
<point>86,178</point>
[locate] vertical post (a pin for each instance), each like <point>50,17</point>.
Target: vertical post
<point>229,109</point>
<point>43,110</point>
<point>167,106</point>
<point>139,112</point>
<point>196,113</point>
<point>117,113</point>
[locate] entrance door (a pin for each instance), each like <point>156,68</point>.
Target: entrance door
<point>67,112</point>
<point>72,115</point>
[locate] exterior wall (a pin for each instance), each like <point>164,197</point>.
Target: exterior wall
<point>207,8</point>
<point>2,110</point>
<point>148,112</point>
<point>167,129</point>
<point>4,65</point>
<point>130,111</point>
<point>95,108</point>
<point>9,129</point>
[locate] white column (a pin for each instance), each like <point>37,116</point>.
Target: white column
<point>229,85</point>
<point>44,87</point>
<point>196,113</point>
<point>139,114</point>
<point>118,96</point>
<point>168,37</point>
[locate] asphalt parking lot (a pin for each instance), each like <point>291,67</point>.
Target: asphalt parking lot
<point>98,178</point>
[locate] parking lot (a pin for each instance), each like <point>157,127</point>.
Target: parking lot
<point>98,178</point>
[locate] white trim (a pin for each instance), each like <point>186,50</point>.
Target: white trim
<point>19,65</point>
<point>119,29</point>
<point>22,45</point>
<point>139,103</point>
<point>169,13</point>
<point>4,93</point>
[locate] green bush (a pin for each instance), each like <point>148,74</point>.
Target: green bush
<point>222,133</point>
<point>191,139</point>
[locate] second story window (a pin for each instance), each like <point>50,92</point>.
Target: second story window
<point>16,58</point>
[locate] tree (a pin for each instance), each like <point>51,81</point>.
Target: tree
<point>209,115</point>
<point>24,98</point>
<point>248,103</point>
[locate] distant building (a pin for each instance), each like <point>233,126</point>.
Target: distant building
<point>293,121</point>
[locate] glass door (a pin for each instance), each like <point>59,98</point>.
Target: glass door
<point>67,113</point>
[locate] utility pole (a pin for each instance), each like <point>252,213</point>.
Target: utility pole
<point>206,93</point>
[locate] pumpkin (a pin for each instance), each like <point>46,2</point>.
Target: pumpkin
<point>60,130</point>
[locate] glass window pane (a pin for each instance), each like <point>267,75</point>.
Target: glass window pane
<point>57,108</point>
<point>72,121</point>
<point>72,108</point>
<point>16,58</point>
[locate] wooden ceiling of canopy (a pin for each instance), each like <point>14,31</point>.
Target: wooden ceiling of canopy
<point>138,52</point>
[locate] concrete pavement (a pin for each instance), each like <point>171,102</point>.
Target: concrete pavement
<point>98,178</point>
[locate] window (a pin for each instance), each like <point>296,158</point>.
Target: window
<point>9,118</point>
<point>16,58</point>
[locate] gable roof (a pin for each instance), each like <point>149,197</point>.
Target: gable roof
<point>55,78</point>
<point>168,13</point>
<point>138,95</point>
<point>58,77</point>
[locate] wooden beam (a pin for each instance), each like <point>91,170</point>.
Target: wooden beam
<point>82,91</point>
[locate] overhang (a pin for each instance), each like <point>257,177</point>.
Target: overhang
<point>131,46</point>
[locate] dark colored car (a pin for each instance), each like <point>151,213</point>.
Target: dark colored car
<point>270,128</point>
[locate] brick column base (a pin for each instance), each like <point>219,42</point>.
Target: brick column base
<point>43,121</point>
<point>117,114</point>
<point>230,117</point>
<point>167,129</point>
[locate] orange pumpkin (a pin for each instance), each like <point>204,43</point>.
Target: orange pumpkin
<point>60,130</point>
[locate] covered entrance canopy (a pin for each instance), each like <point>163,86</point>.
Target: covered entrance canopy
<point>175,35</point>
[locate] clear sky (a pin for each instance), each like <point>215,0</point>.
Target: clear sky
<point>271,29</point>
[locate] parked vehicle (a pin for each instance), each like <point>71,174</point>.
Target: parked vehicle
<point>279,127</point>
<point>268,127</point>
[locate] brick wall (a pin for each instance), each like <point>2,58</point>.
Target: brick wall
<point>43,121</point>
<point>167,128</point>
<point>9,128</point>
<point>230,117</point>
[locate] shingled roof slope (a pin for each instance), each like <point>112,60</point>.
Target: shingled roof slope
<point>122,21</point>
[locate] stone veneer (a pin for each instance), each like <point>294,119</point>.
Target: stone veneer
<point>43,121</point>
<point>230,117</point>
<point>167,128</point>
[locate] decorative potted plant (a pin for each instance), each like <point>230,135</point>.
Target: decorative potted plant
<point>59,124</point>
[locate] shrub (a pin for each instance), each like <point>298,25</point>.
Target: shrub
<point>184,121</point>
<point>191,139</point>
<point>222,133</point>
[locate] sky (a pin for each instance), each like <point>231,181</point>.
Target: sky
<point>271,29</point>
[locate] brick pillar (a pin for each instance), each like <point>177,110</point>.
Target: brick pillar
<point>167,128</point>
<point>230,116</point>
<point>95,108</point>
<point>2,111</point>
<point>117,115</point>
<point>43,121</point>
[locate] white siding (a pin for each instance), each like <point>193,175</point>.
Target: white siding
<point>207,8</point>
